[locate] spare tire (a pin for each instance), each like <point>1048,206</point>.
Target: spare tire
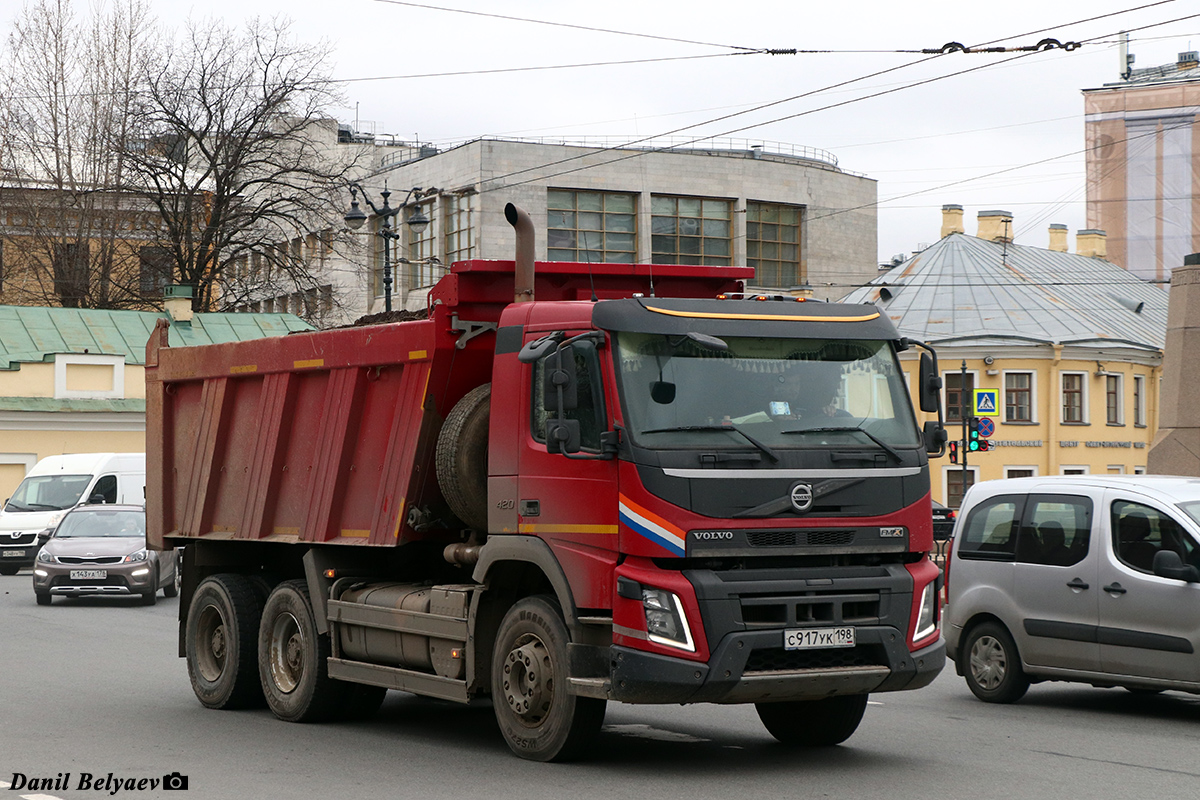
<point>462,457</point>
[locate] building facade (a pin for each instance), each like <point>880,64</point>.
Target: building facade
<point>1143,166</point>
<point>1066,348</point>
<point>790,212</point>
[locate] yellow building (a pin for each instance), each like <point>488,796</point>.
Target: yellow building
<point>72,380</point>
<point>1067,347</point>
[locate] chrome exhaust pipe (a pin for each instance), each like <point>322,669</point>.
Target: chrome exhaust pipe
<point>523,276</point>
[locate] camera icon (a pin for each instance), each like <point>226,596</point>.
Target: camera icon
<point>175,781</point>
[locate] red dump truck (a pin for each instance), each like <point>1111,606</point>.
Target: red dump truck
<point>570,484</point>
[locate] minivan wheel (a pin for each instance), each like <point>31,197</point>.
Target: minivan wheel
<point>993,671</point>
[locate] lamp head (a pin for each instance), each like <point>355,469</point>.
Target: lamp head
<point>418,222</point>
<point>354,217</point>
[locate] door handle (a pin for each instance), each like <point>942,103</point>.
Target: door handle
<point>1115,588</point>
<point>1076,583</point>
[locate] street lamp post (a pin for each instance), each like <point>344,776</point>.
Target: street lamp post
<point>355,218</point>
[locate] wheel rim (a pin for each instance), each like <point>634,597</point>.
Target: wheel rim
<point>989,662</point>
<point>529,680</point>
<point>210,644</point>
<point>287,653</point>
<point>178,578</point>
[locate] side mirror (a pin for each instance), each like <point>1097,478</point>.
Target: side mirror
<point>662,392</point>
<point>536,349</point>
<point>43,537</point>
<point>935,437</point>
<point>562,435</point>
<point>931,384</point>
<point>560,374</point>
<point>1168,564</point>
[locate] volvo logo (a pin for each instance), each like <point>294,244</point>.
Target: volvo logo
<point>802,497</point>
<point>712,535</point>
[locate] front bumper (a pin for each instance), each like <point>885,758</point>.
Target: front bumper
<point>752,666</point>
<point>119,580</point>
<point>19,555</point>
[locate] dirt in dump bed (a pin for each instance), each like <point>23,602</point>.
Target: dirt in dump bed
<point>385,317</point>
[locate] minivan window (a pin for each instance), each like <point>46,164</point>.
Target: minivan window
<point>105,490</point>
<point>990,530</point>
<point>1055,530</point>
<point>1140,531</point>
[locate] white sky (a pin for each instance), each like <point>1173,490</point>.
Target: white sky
<point>958,130</point>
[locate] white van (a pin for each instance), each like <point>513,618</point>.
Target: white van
<point>1089,578</point>
<point>58,483</point>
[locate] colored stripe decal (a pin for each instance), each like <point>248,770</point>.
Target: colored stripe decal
<point>532,528</point>
<point>355,534</point>
<point>243,369</point>
<point>783,317</point>
<point>417,355</point>
<point>651,526</point>
<point>312,362</point>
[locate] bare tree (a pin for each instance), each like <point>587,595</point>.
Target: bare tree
<point>66,86</point>
<point>239,158</point>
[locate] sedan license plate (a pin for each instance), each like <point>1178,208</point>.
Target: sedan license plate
<point>88,574</point>
<point>13,554</point>
<point>818,638</point>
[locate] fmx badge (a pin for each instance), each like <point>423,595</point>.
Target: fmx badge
<point>987,403</point>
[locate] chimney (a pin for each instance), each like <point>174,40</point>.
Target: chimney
<point>995,226</point>
<point>177,302</point>
<point>952,220</point>
<point>1091,243</point>
<point>1188,60</point>
<point>1058,237</point>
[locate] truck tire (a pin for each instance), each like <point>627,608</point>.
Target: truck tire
<point>219,640</point>
<point>461,459</point>
<point>293,659</point>
<point>813,723</point>
<point>992,665</point>
<point>539,718</point>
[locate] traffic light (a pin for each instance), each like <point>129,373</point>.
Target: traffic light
<point>974,440</point>
<point>953,452</point>
<point>984,446</point>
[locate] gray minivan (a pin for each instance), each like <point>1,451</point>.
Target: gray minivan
<point>1090,578</point>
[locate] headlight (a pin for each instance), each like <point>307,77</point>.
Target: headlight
<point>666,622</point>
<point>140,555</point>
<point>46,558</point>
<point>927,615</point>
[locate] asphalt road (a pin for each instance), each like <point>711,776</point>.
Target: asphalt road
<point>94,686</point>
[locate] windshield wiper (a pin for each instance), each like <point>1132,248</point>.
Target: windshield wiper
<point>42,507</point>
<point>851,429</point>
<point>728,426</point>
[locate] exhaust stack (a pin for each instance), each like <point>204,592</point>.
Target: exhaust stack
<point>523,277</point>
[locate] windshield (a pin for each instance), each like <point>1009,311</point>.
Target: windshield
<point>784,393</point>
<point>113,524</point>
<point>48,492</point>
<point>1192,509</point>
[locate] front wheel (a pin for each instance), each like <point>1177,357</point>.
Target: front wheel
<point>293,659</point>
<point>220,639</point>
<point>539,718</point>
<point>813,723</point>
<point>44,598</point>
<point>9,569</point>
<point>993,670</point>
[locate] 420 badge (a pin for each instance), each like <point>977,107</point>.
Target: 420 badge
<point>818,638</point>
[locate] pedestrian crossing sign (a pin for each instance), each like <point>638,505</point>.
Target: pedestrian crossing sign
<point>987,403</point>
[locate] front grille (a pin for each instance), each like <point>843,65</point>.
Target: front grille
<point>24,538</point>
<point>839,608</point>
<point>770,538</point>
<point>780,660</point>
<point>89,560</point>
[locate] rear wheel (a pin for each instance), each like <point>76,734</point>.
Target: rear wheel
<point>293,658</point>
<point>172,588</point>
<point>813,723</point>
<point>150,597</point>
<point>540,719</point>
<point>220,641</point>
<point>993,671</point>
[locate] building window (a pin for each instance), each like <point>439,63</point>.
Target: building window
<point>1018,397</point>
<point>1139,401</point>
<point>155,264</point>
<point>1019,472</point>
<point>1112,400</point>
<point>423,267</point>
<point>773,244</point>
<point>959,396</point>
<point>690,230</point>
<point>71,276</point>
<point>1074,471</point>
<point>460,233</point>
<point>1073,398</point>
<point>592,227</point>
<point>954,485</point>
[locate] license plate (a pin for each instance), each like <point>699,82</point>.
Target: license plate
<point>12,554</point>
<point>88,574</point>
<point>818,638</point>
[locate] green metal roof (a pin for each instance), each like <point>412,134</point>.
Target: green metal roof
<point>36,334</point>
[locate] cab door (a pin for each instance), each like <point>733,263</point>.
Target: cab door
<point>570,499</point>
<point>1149,625</point>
